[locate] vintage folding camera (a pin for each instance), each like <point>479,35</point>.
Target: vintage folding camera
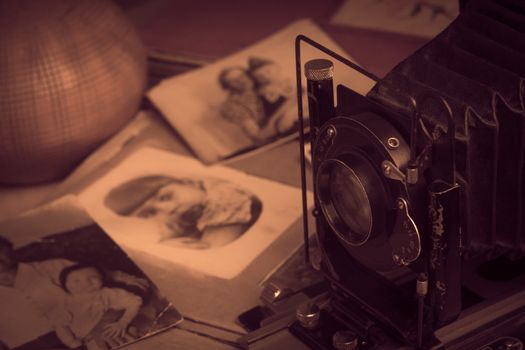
<point>420,193</point>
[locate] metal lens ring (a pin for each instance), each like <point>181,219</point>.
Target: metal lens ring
<point>344,202</point>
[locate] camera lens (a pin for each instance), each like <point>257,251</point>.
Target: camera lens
<point>358,203</point>
<point>344,202</point>
<point>350,201</point>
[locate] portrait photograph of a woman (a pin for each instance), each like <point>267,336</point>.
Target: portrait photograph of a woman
<point>193,213</point>
<point>210,219</point>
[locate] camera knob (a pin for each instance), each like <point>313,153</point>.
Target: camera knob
<point>308,315</point>
<point>345,340</point>
<point>319,69</point>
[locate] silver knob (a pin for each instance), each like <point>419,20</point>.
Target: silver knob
<point>308,315</point>
<point>319,69</point>
<point>345,340</point>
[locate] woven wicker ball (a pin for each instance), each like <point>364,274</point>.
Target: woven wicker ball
<point>72,73</point>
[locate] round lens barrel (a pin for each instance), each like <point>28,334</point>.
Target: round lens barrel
<point>350,201</point>
<point>345,202</point>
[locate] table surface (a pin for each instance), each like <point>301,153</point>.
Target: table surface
<point>204,298</point>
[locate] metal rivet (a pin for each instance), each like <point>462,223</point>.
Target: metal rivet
<point>330,132</point>
<point>393,142</point>
<point>387,169</point>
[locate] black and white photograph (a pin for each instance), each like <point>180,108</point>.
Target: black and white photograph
<point>211,219</point>
<point>260,99</point>
<point>424,18</point>
<point>245,100</point>
<point>191,213</point>
<point>74,289</point>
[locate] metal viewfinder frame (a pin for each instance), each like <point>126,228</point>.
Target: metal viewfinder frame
<point>298,71</point>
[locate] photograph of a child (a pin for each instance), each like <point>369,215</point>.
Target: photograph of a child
<point>193,213</point>
<point>76,290</point>
<point>247,101</point>
<point>260,99</point>
<point>207,219</point>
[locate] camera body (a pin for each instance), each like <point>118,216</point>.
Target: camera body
<point>419,193</point>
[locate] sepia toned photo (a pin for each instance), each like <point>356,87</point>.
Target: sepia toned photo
<point>425,18</point>
<point>259,99</point>
<point>210,219</point>
<point>192,213</point>
<point>74,290</point>
<point>246,100</point>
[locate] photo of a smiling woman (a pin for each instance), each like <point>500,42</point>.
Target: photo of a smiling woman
<point>191,213</point>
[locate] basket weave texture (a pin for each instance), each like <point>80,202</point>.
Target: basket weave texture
<point>72,73</point>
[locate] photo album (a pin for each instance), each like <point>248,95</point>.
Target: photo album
<point>64,283</point>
